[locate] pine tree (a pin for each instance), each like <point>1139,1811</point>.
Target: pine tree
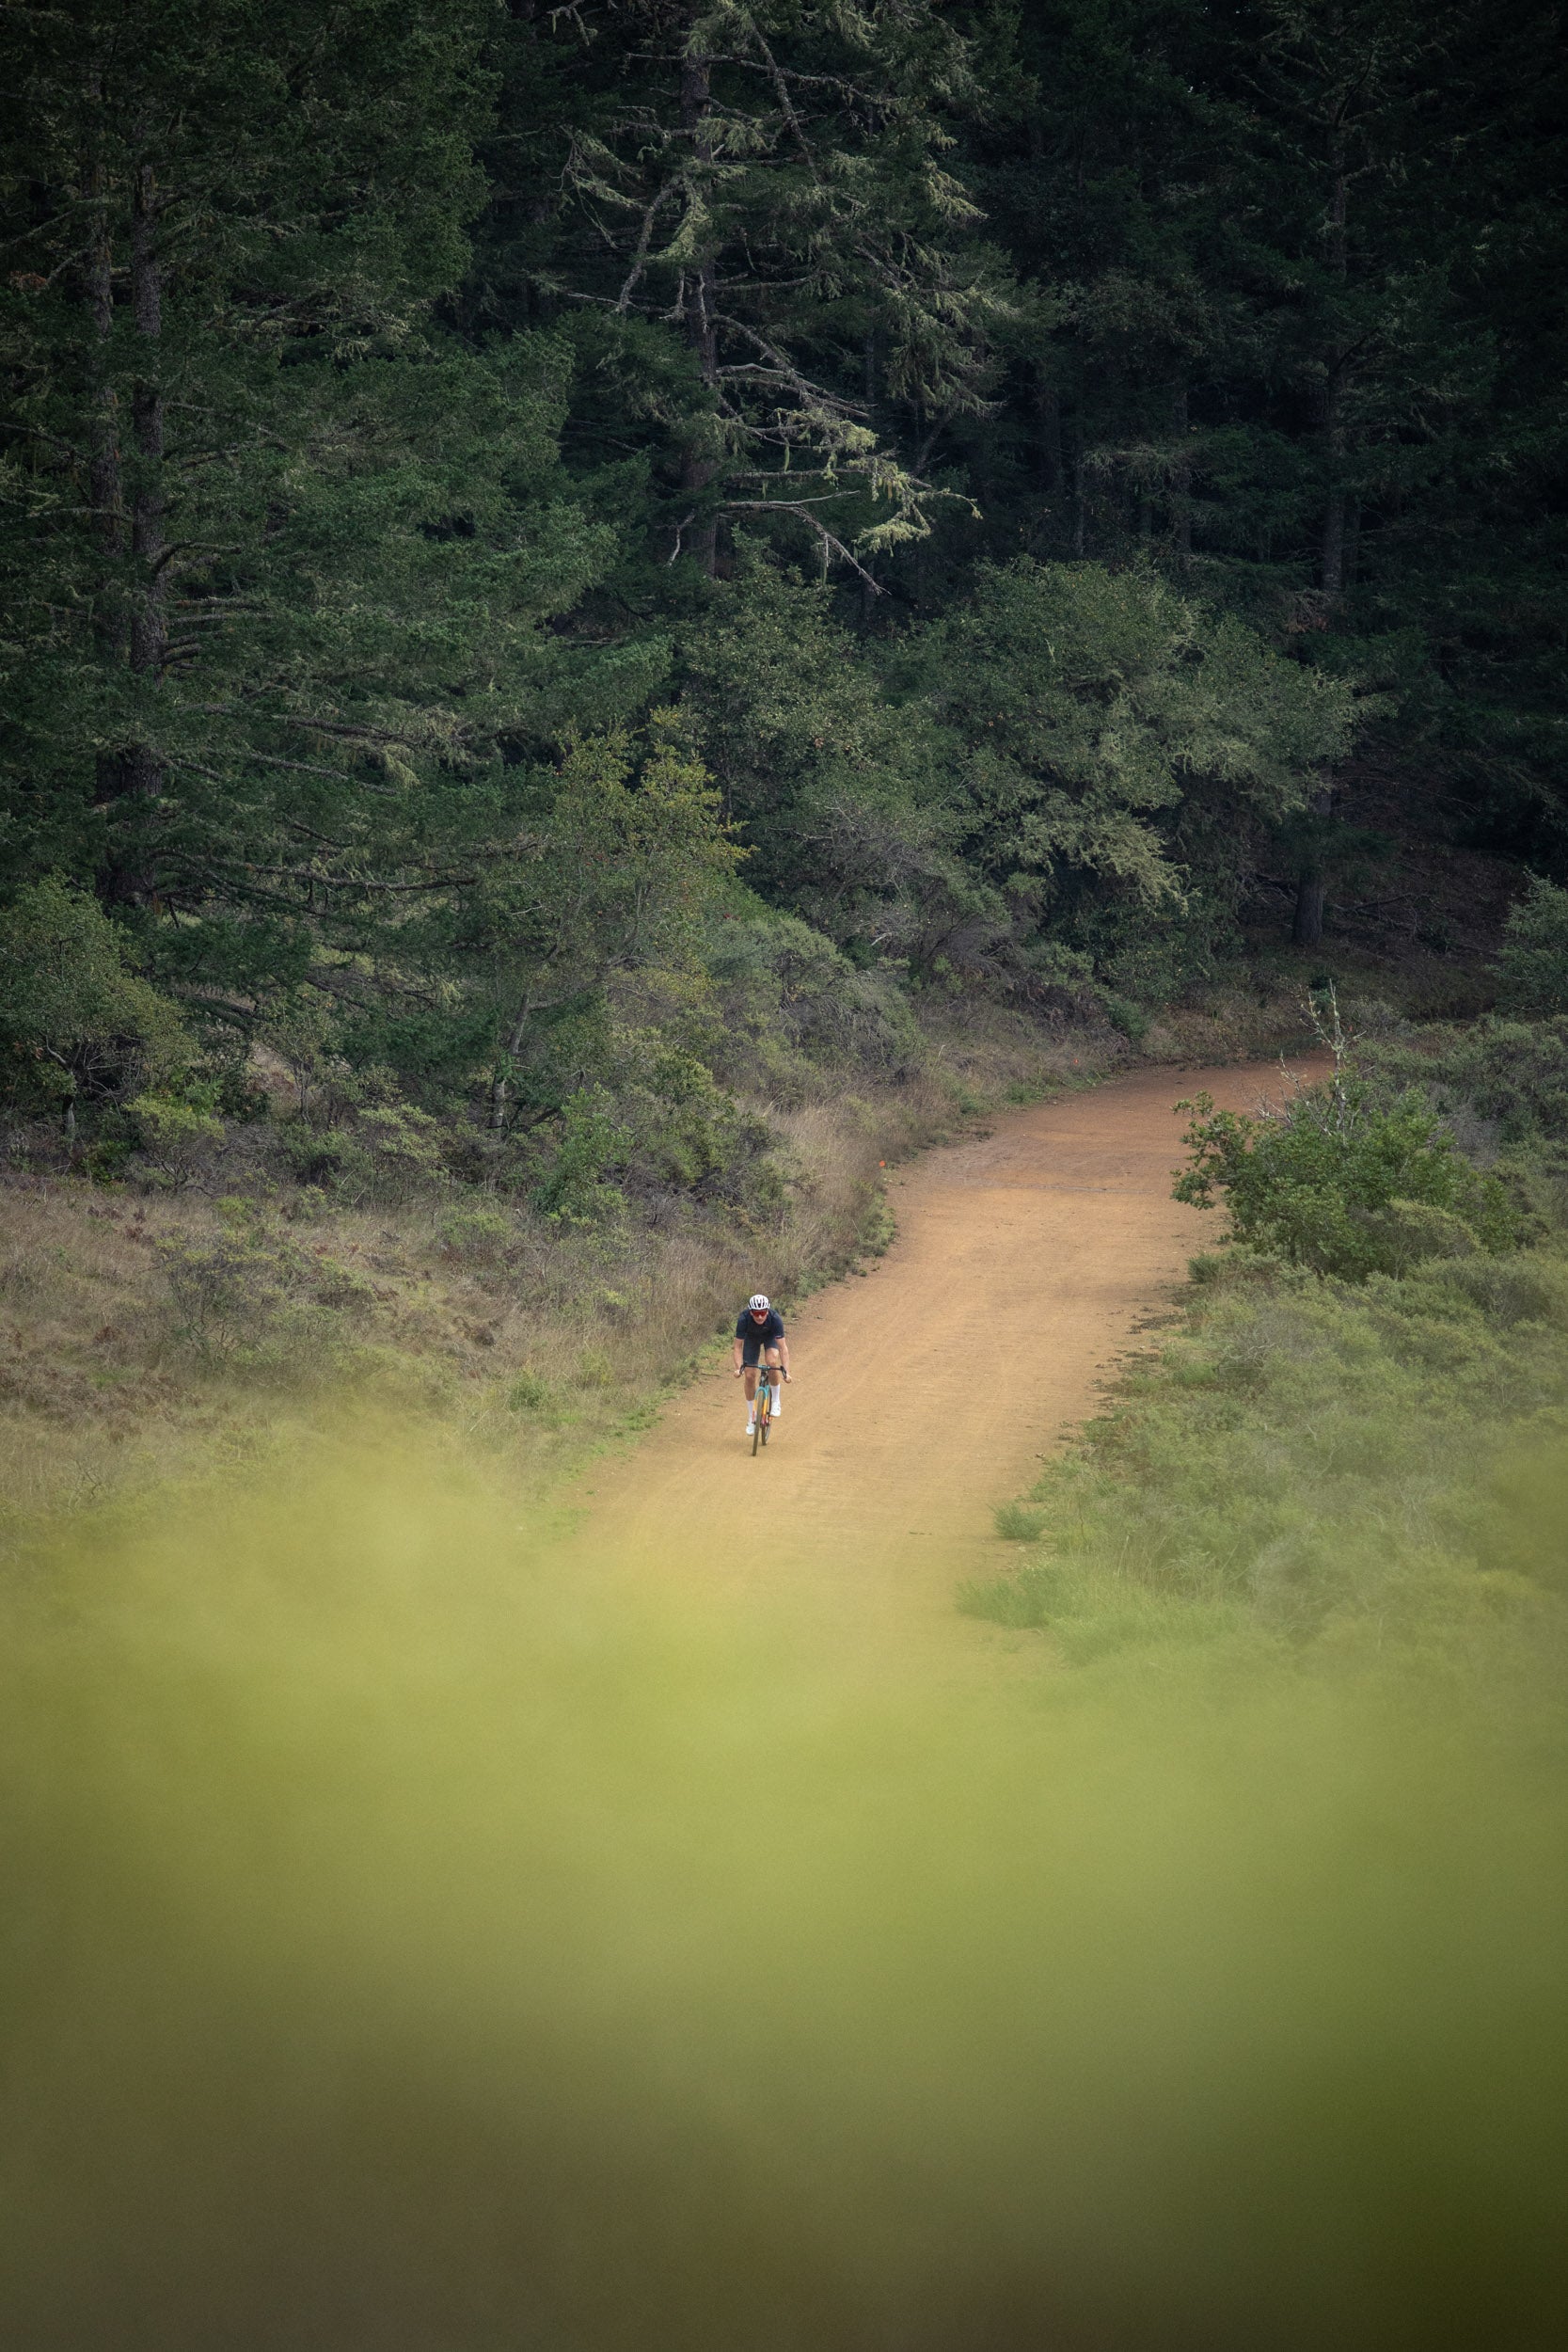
<point>767,184</point>
<point>282,555</point>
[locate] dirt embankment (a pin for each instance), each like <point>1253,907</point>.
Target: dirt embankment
<point>926,1394</point>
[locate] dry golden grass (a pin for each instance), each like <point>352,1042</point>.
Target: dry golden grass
<point>527,1337</point>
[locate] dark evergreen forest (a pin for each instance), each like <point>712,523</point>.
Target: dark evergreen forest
<point>557,559</point>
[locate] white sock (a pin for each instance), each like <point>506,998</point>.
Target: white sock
<point>777,1405</point>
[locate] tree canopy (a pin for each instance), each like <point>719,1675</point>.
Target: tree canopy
<point>498,503</point>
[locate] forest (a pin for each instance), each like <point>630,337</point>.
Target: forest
<point>560,559</point>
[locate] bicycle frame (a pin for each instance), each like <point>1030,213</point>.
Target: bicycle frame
<point>761,1409</point>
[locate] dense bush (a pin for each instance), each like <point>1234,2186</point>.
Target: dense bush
<point>1534,964</point>
<point>1498,1081</point>
<point>1344,1183</point>
<point>77,1020</point>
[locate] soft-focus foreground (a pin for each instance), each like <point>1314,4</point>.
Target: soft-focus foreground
<point>410,1945</point>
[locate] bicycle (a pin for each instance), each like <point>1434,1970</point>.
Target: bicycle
<point>763,1415</point>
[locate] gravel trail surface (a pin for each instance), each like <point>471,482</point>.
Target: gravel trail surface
<point>929,1390</point>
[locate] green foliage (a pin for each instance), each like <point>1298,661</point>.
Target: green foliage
<point>387,1151</point>
<point>1534,964</point>
<point>1072,750</point>
<point>1102,714</point>
<point>778,197</point>
<point>1509,1077</point>
<point>76,1017</point>
<point>474,1232</point>
<point>231,1290</point>
<point>530,1393</point>
<point>251,1300</point>
<point>1019,1522</point>
<point>591,1145</point>
<point>1319,1465</point>
<point>415,442</point>
<point>794,1004</point>
<point>178,1134</point>
<point>841,791</point>
<point>1342,1185</point>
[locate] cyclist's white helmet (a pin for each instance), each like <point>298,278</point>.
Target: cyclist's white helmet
<point>758,1302</point>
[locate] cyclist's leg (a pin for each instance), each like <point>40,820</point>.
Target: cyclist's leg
<point>749,1382</point>
<point>775,1381</point>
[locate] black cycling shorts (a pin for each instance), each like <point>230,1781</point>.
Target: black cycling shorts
<point>752,1349</point>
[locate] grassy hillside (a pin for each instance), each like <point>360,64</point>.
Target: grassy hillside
<point>186,1305</point>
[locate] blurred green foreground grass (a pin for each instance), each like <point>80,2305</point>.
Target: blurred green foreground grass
<point>405,1946</point>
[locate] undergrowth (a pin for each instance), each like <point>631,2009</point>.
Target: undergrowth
<point>152,1331</point>
<point>1339,1470</point>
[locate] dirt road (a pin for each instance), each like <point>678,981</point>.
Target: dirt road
<point>928,1391</point>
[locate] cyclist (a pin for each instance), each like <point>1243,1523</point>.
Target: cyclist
<point>759,1337</point>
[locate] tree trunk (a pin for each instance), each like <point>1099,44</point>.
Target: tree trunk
<point>1332,557</point>
<point>149,615</point>
<point>106,489</point>
<point>1332,564</point>
<point>1307,930</point>
<point>702,332</point>
<point>1181,479</point>
<point>132,880</point>
<point>103,481</point>
<point>868,372</point>
<point>1049,408</point>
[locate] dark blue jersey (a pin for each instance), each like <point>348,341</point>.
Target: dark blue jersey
<point>767,1333</point>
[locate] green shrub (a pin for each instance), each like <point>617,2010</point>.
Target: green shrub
<point>1343,1183</point>
<point>780,983</point>
<point>528,1394</point>
<point>478,1231</point>
<point>403,1145</point>
<point>1021,1522</point>
<point>1509,1291</point>
<point>1534,964</point>
<point>1030,1599</point>
<point>1127,1018</point>
<point>1497,1082</point>
<point>592,1143</point>
<point>252,1298</point>
<point>390,1151</point>
<point>76,1019</point>
<point>177,1135</point>
<point>229,1289</point>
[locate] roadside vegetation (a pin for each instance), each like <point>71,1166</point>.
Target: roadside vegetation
<point>1349,1445</point>
<point>205,1250</point>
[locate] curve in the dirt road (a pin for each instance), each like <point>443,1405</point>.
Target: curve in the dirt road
<point>926,1393</point>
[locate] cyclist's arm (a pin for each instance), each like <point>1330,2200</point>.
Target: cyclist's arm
<point>737,1352</point>
<point>782,1347</point>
